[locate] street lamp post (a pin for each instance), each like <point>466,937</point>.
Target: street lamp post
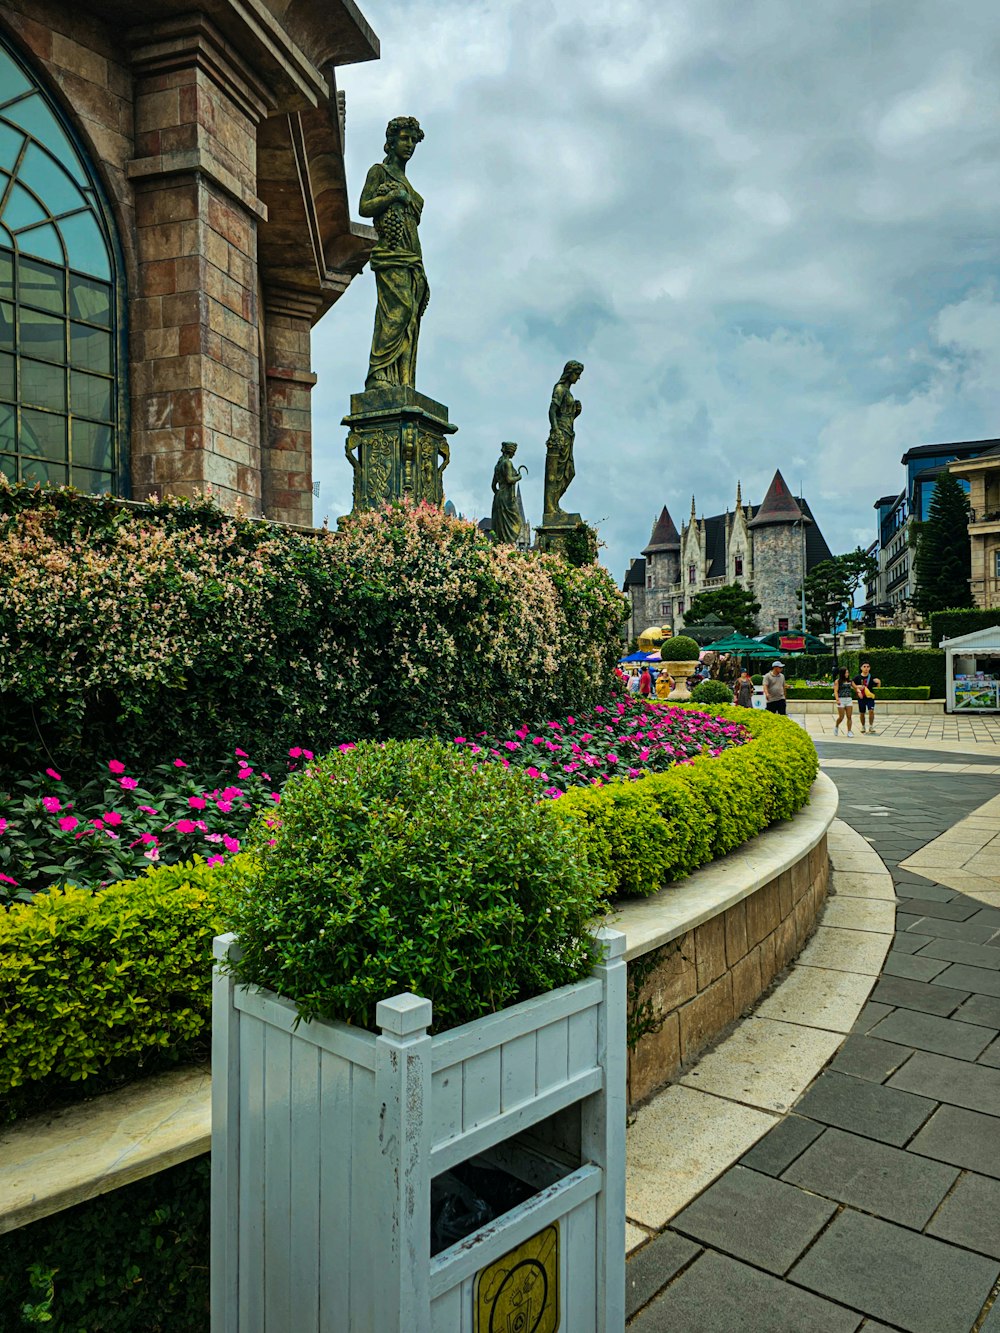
<point>834,609</point>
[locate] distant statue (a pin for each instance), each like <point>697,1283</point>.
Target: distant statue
<point>393,204</point>
<point>559,468</point>
<point>506,514</point>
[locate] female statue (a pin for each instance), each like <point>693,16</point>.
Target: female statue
<point>393,204</point>
<point>563,412</point>
<point>506,517</point>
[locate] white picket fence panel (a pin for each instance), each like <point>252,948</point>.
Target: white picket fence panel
<point>325,1139</point>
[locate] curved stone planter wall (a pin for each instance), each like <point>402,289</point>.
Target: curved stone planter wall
<point>702,952</point>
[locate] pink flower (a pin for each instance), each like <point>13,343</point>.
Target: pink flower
<point>244,773</point>
<point>52,804</point>
<point>149,840</point>
<point>213,837</point>
<point>197,802</point>
<point>224,806</point>
<point>536,740</point>
<point>6,879</point>
<point>230,844</point>
<point>112,817</point>
<point>296,752</point>
<point>571,721</point>
<point>532,772</point>
<point>128,783</point>
<point>179,763</point>
<point>241,754</point>
<point>275,796</point>
<point>215,861</point>
<point>3,826</point>
<point>112,836</point>
<point>116,766</point>
<point>152,854</point>
<point>68,822</point>
<point>97,823</point>
<point>347,745</point>
<point>459,740</point>
<point>51,772</point>
<point>511,745</point>
<point>147,810</point>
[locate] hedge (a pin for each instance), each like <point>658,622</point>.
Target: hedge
<point>884,638</point>
<point>899,667</point>
<point>647,833</point>
<point>952,624</point>
<point>144,631</point>
<point>101,987</point>
<point>884,692</point>
<point>134,1259</point>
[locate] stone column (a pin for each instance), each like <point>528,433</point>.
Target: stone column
<point>196,392</point>
<point>286,446</point>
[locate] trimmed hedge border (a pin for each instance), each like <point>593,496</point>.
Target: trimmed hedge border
<point>884,692</point>
<point>647,833</point>
<point>884,638</point>
<point>953,624</point>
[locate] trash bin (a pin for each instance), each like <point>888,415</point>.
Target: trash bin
<point>329,1143</point>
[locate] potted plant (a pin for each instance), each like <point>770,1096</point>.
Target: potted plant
<point>413,995</point>
<point>680,657</point>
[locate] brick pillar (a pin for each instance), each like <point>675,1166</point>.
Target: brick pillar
<point>287,443</point>
<point>196,391</point>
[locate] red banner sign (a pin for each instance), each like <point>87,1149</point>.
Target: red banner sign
<point>791,643</point>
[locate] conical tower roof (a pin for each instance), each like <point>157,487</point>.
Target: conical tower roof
<point>664,536</point>
<point>779,505</point>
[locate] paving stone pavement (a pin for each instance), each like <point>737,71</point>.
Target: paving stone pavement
<point>875,1205</point>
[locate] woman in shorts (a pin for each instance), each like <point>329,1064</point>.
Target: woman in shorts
<point>843,697</point>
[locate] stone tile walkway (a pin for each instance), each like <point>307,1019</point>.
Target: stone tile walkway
<point>875,1204</point>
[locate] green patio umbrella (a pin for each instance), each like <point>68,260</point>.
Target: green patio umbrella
<point>741,646</point>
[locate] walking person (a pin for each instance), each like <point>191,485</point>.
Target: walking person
<point>664,684</point>
<point>865,685</point>
<point>843,697</point>
<point>633,683</point>
<point>645,683</point>
<point>774,689</point>
<point>743,691</point>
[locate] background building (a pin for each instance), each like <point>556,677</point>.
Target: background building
<point>766,548</point>
<point>173,221</point>
<point>981,475</point>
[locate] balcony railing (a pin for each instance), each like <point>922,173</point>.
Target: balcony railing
<point>715,583</point>
<point>984,515</point>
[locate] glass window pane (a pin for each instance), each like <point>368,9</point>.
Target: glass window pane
<point>44,434</point>
<point>8,466</point>
<point>43,385</point>
<point>12,79</point>
<point>49,181</point>
<point>42,285</point>
<point>6,325</point>
<point>94,483</point>
<point>7,274</point>
<point>34,116</point>
<point>21,210</point>
<point>91,445</point>
<point>35,471</point>
<point>43,335</point>
<point>6,375</point>
<point>8,427</point>
<point>90,396</point>
<point>89,300</point>
<point>43,242</point>
<point>90,348</point>
<point>10,139</point>
<point>85,245</point>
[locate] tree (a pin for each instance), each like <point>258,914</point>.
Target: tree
<point>836,580</point>
<point>733,605</point>
<point>942,562</point>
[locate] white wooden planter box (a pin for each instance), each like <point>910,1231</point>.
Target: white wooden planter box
<point>325,1139</point>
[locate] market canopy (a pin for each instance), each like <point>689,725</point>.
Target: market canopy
<point>811,642</point>
<point>741,646</point>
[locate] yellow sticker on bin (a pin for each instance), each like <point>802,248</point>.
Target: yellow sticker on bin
<point>519,1293</point>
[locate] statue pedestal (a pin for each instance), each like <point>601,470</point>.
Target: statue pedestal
<point>397,446</point>
<point>567,535</point>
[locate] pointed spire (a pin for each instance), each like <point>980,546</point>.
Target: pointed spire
<point>664,536</point>
<point>739,496</point>
<point>692,508</point>
<point>778,506</point>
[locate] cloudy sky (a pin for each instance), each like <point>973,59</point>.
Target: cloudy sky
<point>770,229</point>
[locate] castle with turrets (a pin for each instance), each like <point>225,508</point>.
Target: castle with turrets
<point>766,548</point>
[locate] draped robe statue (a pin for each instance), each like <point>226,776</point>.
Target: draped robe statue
<point>559,467</point>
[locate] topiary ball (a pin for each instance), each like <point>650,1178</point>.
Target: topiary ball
<point>405,866</point>
<point>712,692</point>
<point>680,649</point>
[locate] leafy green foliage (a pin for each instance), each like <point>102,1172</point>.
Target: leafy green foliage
<point>405,867</point>
<point>953,623</point>
<point>679,649</point>
<point>885,692</point>
<point>645,834</point>
<point>836,580</point>
<point>712,692</point>
<point>733,604</point>
<point>901,667</point>
<point>146,631</point>
<point>101,987</point>
<point>942,563</point>
<point>884,638</point>
<point>136,1258</point>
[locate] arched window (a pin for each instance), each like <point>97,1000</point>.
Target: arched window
<point>61,398</point>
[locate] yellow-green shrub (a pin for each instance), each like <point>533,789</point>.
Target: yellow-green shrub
<point>645,834</point>
<point>105,985</point>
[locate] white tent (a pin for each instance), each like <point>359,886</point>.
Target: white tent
<point>972,664</point>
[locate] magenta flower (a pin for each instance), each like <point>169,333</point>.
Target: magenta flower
<point>179,763</point>
<point>197,802</point>
<point>6,879</point>
<point>52,804</point>
<point>152,855</point>
<point>224,806</point>
<point>241,754</point>
<point>275,796</point>
<point>3,826</point>
<point>215,861</point>
<point>112,817</point>
<point>459,740</point>
<point>51,772</point>
<point>511,745</point>
<point>68,822</point>
<point>213,837</point>
<point>532,771</point>
<point>296,752</point>
<point>308,754</point>
<point>149,840</point>
<point>116,766</point>
<point>128,784</point>
<point>147,810</point>
<point>230,844</point>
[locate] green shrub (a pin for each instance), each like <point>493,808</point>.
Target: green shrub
<point>885,692</point>
<point>101,987</point>
<point>899,667</point>
<point>758,678</point>
<point>134,1259</point>
<point>884,638</point>
<point>405,867</point>
<point>712,692</point>
<point>679,649</point>
<point>648,833</point>
<point>140,632</point>
<point>952,624</point>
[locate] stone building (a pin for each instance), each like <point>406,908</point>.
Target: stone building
<point>981,474</point>
<point>173,221</point>
<point>764,548</point>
